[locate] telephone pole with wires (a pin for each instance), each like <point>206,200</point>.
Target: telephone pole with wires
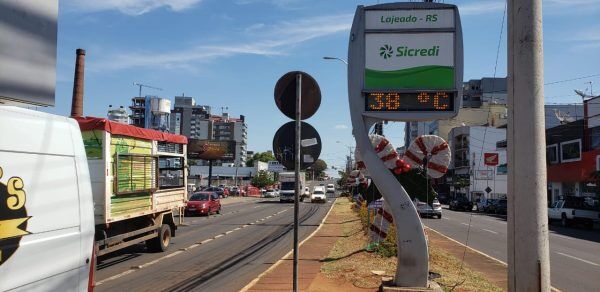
<point>527,220</point>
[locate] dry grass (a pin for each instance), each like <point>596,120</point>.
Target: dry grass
<point>448,267</point>
<point>349,261</point>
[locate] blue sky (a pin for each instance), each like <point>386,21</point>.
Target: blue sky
<point>231,53</point>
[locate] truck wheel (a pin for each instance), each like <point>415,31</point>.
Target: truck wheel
<point>161,242</point>
<point>563,220</point>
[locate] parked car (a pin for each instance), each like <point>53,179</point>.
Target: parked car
<point>270,193</point>
<point>461,204</point>
<point>235,191</point>
<point>500,207</point>
<point>443,198</point>
<point>203,203</point>
<point>482,204</point>
<point>425,210</point>
<point>330,188</point>
<point>584,210</point>
<point>222,192</point>
<point>318,195</point>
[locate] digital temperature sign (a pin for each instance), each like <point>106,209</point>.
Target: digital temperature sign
<point>413,101</point>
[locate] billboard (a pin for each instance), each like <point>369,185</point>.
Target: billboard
<point>28,52</point>
<point>405,61</point>
<point>211,149</point>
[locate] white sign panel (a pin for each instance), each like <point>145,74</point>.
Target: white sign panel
<point>395,60</point>
<point>409,19</point>
<point>28,32</point>
<point>275,166</point>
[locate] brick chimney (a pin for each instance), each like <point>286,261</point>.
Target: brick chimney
<point>77,102</point>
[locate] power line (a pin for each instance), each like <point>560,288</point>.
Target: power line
<point>572,79</point>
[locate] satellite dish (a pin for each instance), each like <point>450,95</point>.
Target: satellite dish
<point>583,94</point>
<point>564,118</point>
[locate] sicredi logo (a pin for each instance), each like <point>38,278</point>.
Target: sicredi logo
<point>387,51</point>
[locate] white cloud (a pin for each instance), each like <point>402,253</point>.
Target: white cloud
<point>130,7</point>
<point>271,41</point>
<point>585,39</point>
<point>340,127</point>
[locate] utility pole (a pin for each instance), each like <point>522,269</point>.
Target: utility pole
<point>297,164</point>
<point>528,255</point>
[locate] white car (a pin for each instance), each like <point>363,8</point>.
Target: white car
<point>271,194</point>
<point>426,210</point>
<point>318,195</point>
<point>330,188</point>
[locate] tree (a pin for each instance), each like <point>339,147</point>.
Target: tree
<point>343,179</point>
<point>262,179</point>
<point>318,168</point>
<point>260,156</point>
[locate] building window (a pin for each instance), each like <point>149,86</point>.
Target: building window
<point>552,154</point>
<point>170,172</point>
<point>595,139</point>
<point>570,150</point>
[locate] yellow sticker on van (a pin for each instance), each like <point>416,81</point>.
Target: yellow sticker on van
<point>13,216</point>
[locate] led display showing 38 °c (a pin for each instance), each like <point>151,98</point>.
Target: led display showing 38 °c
<point>413,101</point>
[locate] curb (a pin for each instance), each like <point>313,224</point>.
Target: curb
<point>272,267</point>
<point>481,253</point>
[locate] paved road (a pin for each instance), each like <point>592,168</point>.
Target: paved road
<point>234,248</point>
<point>574,253</point>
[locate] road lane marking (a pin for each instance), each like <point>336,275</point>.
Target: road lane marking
<point>479,252</point>
<point>272,267</point>
<point>466,224</point>
<point>181,250</point>
<point>490,231</point>
<point>576,258</point>
<point>117,276</point>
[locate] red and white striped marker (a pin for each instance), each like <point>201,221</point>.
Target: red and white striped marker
<point>434,149</point>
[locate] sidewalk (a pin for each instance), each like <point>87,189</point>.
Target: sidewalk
<point>312,251</point>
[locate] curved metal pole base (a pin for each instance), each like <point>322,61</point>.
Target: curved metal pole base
<point>412,269</point>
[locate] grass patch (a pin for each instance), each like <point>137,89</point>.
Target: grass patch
<point>349,261</point>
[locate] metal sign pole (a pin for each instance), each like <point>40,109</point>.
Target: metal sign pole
<point>297,174</point>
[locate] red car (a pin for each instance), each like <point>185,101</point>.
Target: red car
<point>203,203</point>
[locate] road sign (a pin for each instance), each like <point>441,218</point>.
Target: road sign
<point>285,95</point>
<point>406,61</point>
<point>275,166</point>
<point>490,159</point>
<point>283,145</point>
<point>488,190</point>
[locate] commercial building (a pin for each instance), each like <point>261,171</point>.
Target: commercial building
<point>196,122</point>
<point>150,112</point>
<point>573,154</point>
<point>478,162</point>
<point>227,128</point>
<point>483,103</point>
<point>189,119</point>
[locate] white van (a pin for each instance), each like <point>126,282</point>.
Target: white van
<point>46,209</point>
